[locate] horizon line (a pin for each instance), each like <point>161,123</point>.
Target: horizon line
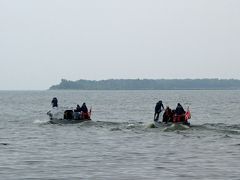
<point>154,79</point>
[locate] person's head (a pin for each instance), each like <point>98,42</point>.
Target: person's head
<point>54,100</point>
<point>160,101</point>
<point>78,105</point>
<point>167,108</point>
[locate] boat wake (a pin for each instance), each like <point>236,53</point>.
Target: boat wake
<point>232,129</point>
<point>116,126</point>
<point>43,121</point>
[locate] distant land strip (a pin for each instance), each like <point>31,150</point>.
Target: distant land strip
<point>149,84</point>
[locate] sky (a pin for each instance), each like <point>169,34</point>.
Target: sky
<point>44,41</point>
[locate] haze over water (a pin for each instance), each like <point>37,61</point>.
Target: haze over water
<point>42,42</point>
<point>118,144</point>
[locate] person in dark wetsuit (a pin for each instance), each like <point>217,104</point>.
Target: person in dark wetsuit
<point>84,110</point>
<point>78,108</point>
<point>179,110</point>
<point>158,109</point>
<point>167,115</point>
<point>54,102</point>
<point>77,112</point>
<point>179,114</point>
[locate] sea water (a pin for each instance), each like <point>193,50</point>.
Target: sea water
<point>118,143</point>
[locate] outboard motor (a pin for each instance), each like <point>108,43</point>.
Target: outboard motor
<point>68,114</point>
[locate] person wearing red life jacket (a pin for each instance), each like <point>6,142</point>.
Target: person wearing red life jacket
<point>167,115</point>
<point>84,110</point>
<point>179,114</point>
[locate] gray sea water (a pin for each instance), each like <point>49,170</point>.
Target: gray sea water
<point>118,144</point>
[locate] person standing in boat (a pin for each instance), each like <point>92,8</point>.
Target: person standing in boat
<point>54,102</point>
<point>158,109</point>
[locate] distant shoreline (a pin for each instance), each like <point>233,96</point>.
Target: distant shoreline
<point>149,84</point>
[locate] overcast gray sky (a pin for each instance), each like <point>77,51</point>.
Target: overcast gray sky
<point>43,41</point>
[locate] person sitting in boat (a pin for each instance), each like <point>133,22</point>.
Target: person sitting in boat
<point>167,115</point>
<point>54,102</point>
<point>84,110</point>
<point>77,112</point>
<point>179,114</point>
<point>78,108</point>
<point>158,109</point>
<point>179,110</point>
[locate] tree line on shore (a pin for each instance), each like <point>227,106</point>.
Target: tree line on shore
<point>148,84</point>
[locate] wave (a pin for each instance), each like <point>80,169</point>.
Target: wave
<point>233,129</point>
<point>114,126</point>
<point>43,121</point>
<point>219,127</point>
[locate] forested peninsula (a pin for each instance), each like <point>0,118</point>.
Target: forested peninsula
<point>149,84</point>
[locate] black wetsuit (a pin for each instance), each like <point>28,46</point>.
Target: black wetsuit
<point>179,110</point>
<point>84,108</point>
<point>78,109</point>
<point>167,116</point>
<point>158,110</point>
<point>54,102</point>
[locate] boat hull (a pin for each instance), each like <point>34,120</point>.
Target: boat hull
<point>57,116</point>
<point>67,121</point>
<point>170,126</point>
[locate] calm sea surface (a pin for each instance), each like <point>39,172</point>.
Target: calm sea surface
<point>118,144</point>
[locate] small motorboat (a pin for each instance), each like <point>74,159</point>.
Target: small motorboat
<point>68,116</point>
<point>179,122</point>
